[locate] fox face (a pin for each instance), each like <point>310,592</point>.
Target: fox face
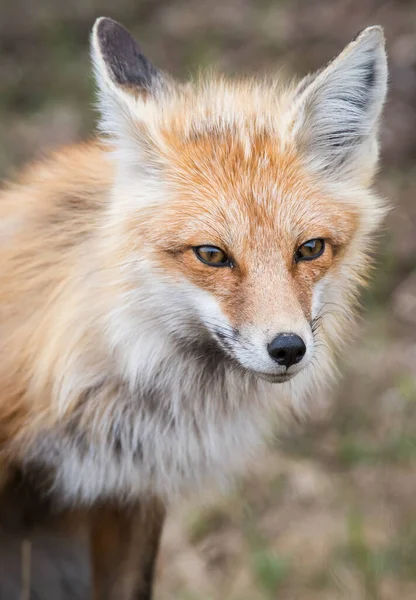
<point>255,243</point>
<point>242,211</point>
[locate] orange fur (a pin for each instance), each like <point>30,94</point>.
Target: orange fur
<point>49,215</point>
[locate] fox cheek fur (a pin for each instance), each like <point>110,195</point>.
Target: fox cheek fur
<point>128,365</point>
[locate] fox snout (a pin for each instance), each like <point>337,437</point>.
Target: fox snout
<point>274,358</point>
<point>287,349</point>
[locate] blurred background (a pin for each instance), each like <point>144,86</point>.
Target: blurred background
<point>328,512</point>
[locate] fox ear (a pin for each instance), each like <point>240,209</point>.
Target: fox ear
<point>336,110</point>
<point>125,77</point>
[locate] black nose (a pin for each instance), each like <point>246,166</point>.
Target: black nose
<point>287,349</point>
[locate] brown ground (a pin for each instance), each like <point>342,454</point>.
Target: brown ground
<point>328,512</point>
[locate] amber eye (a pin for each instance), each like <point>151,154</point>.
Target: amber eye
<point>310,250</point>
<point>212,256</point>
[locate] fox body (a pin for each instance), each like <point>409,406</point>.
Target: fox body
<point>147,279</point>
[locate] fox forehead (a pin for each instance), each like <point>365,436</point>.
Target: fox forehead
<point>214,104</point>
<point>229,187</point>
<point>225,148</point>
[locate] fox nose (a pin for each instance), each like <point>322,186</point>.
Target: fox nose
<point>287,349</point>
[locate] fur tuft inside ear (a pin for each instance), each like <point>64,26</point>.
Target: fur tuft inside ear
<point>336,111</point>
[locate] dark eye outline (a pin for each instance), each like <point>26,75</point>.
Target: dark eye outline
<point>300,258</point>
<point>226,263</point>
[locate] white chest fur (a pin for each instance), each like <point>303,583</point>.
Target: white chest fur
<point>162,440</point>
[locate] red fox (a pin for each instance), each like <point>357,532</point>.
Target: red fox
<point>167,287</point>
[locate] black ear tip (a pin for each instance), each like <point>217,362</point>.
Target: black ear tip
<point>122,55</point>
<point>110,32</point>
<point>104,24</point>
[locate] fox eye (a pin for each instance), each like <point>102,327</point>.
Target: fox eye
<point>310,250</point>
<point>212,256</point>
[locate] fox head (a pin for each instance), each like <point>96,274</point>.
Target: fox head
<point>242,212</point>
